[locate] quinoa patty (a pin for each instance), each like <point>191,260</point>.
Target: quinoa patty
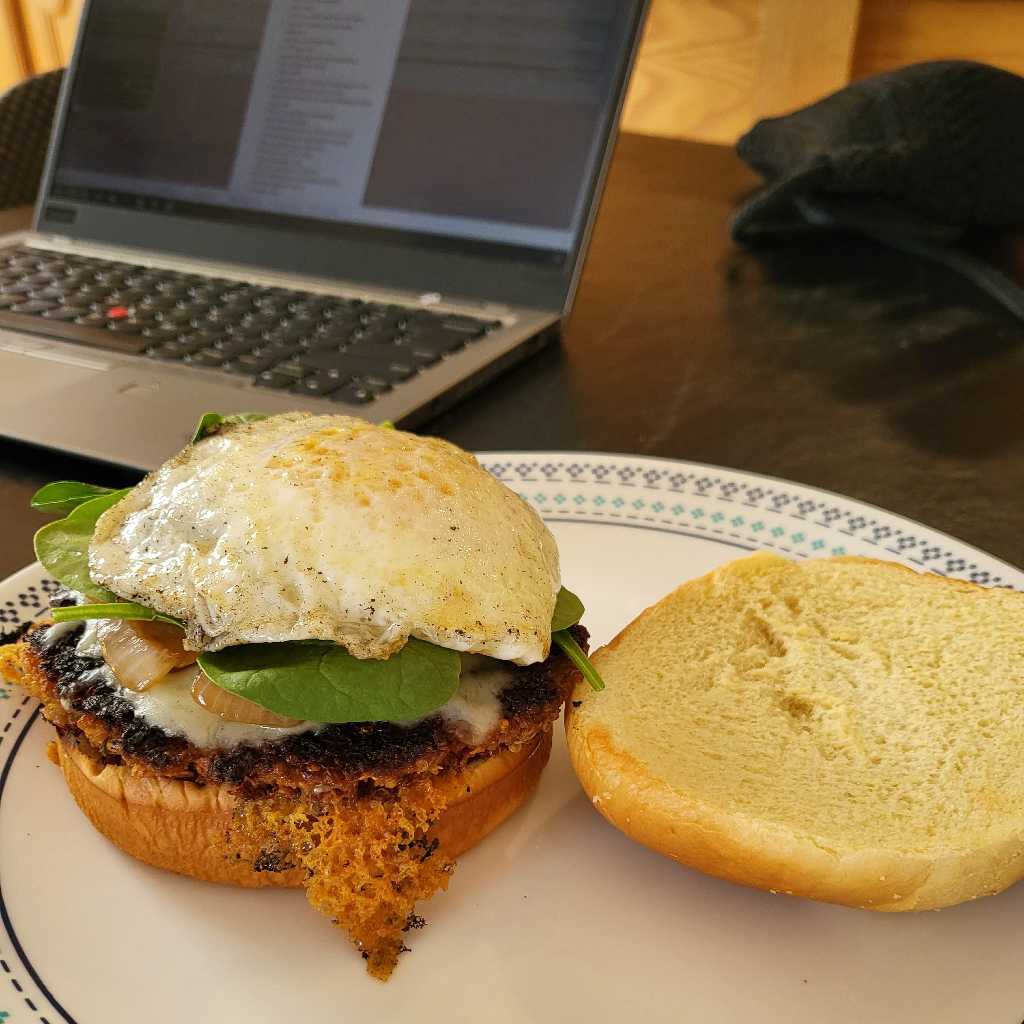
<point>89,712</point>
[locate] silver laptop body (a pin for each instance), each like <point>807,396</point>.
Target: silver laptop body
<point>446,158</point>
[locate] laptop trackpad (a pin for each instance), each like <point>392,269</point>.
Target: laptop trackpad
<point>31,377</point>
<point>132,414</point>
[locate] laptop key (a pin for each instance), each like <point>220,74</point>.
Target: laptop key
<point>287,335</point>
<point>398,372</point>
<point>157,300</point>
<point>291,369</point>
<point>126,326</point>
<point>335,331</point>
<point>33,306</point>
<point>462,323</point>
<point>269,379</point>
<point>422,359</point>
<point>64,313</point>
<point>190,309</point>
<point>169,286</point>
<point>319,385</point>
<point>93,292</point>
<point>243,332</point>
<point>206,357</point>
<point>170,350</point>
<point>127,296</point>
<point>354,363</point>
<point>164,332</point>
<point>173,316</point>
<point>93,320</point>
<point>253,363</point>
<point>49,292</point>
<point>194,341</point>
<point>231,347</point>
<point>354,393</point>
<point>74,281</point>
<point>210,331</point>
<point>141,280</point>
<point>442,342</point>
<point>142,314</point>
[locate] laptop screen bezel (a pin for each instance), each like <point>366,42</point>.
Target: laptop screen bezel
<point>394,260</point>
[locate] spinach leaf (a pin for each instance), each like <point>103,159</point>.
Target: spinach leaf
<point>64,496</point>
<point>321,682</point>
<point>211,422</point>
<point>114,610</point>
<point>63,546</point>
<point>568,610</point>
<point>579,658</point>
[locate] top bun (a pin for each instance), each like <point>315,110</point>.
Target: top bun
<point>843,729</point>
<point>301,527</point>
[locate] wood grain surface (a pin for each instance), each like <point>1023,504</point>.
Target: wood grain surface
<point>893,33</point>
<point>708,68</point>
<point>805,52</point>
<point>694,75</point>
<point>14,56</point>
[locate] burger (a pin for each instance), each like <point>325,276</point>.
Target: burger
<point>306,651</point>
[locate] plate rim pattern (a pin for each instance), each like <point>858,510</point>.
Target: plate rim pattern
<point>790,517</point>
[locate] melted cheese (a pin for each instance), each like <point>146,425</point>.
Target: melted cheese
<point>169,706</point>
<point>472,713</point>
<point>476,707</point>
<point>52,634</point>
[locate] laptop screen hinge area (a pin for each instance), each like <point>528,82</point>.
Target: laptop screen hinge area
<point>55,213</point>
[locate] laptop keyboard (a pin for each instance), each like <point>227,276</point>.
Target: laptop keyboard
<point>321,346</point>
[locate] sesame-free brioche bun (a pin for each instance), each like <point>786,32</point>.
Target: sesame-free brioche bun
<point>841,729</point>
<point>182,827</point>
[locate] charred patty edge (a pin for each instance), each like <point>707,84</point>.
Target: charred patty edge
<point>91,712</point>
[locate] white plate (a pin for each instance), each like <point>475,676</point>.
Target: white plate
<point>556,916</point>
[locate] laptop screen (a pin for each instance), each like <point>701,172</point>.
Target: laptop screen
<point>463,124</point>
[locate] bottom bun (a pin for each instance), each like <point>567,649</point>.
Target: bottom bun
<point>181,827</point>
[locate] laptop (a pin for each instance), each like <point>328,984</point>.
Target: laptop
<point>368,207</point>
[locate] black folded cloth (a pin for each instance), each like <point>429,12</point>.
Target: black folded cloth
<point>914,158</point>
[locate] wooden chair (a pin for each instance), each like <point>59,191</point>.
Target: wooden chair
<point>26,115</point>
<point>707,69</point>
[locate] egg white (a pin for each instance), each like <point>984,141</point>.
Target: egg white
<point>327,527</point>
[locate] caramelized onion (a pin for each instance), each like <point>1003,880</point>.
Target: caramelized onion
<point>142,653</point>
<point>232,708</point>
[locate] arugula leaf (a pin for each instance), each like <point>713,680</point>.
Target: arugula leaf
<point>321,682</point>
<point>211,422</point>
<point>114,610</point>
<point>64,496</point>
<point>63,546</point>
<point>568,610</point>
<point>578,657</point>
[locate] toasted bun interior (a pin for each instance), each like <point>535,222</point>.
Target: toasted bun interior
<point>181,827</point>
<point>842,729</point>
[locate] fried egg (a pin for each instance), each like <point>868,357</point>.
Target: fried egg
<point>301,527</point>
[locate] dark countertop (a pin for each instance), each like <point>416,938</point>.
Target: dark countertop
<point>832,362</point>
